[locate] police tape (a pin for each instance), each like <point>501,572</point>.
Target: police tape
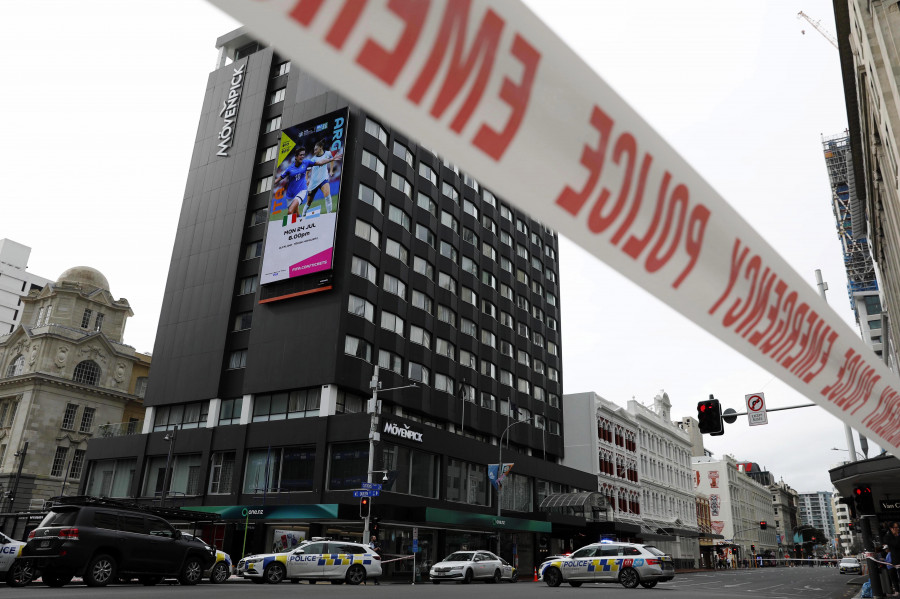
<point>397,559</point>
<point>490,87</point>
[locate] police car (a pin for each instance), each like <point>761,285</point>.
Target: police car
<point>317,559</point>
<point>17,572</point>
<point>629,564</point>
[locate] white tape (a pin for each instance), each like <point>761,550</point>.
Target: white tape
<point>490,87</point>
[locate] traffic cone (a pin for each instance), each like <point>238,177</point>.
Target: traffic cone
<point>535,575</point>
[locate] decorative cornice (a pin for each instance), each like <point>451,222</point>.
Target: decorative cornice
<point>39,378</point>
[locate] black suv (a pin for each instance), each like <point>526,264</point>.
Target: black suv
<point>105,540</point>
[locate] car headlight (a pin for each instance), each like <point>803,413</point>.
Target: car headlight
<point>254,560</point>
<point>456,567</point>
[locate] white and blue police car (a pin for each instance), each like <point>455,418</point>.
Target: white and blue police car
<point>314,560</point>
<point>629,564</point>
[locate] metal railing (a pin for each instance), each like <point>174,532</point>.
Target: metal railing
<point>119,429</point>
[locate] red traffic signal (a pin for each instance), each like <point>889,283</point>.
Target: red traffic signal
<point>763,525</point>
<point>709,417</point>
<point>363,507</point>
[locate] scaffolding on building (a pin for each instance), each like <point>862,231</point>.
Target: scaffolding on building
<point>849,218</point>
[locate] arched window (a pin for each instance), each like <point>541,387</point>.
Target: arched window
<point>87,372</point>
<point>17,366</point>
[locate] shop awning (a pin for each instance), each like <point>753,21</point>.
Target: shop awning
<point>582,500</point>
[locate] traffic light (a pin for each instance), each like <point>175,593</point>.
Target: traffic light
<point>752,548</point>
<point>374,527</point>
<point>363,507</point>
<point>865,503</point>
<point>709,415</point>
<point>763,525</point>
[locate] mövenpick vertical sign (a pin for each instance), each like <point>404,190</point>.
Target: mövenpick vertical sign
<point>486,84</point>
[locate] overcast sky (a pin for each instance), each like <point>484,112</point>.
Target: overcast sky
<point>101,104</point>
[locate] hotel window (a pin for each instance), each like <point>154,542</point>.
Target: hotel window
<point>553,427</point>
<point>521,276</point>
<point>467,327</point>
<point>276,96</point>
<point>111,478</point>
<point>488,401</point>
<point>537,264</point>
<point>537,288</point>
<point>230,411</point>
<point>539,393</point>
<point>554,400</point>
<point>450,191</point>
<point>551,299</point>
<point>417,372</point>
<point>447,282</point>
<point>469,296</point>
<point>524,386</point>
<point>390,361</point>
<point>521,251</point>
<point>442,347</point>
<point>68,422</point>
<point>253,250</point>
<point>506,238</point>
<point>536,240</point>
<point>371,161</point>
<point>488,369</point>
<point>506,319</point>
<point>415,472</point>
<point>366,231</point>
<point>522,329</point>
<point>398,216</point>
<point>488,279</point>
<point>489,308</point>
<point>467,358</point>
<point>393,285</point>
<point>395,250</point>
<point>282,69</point>
<point>446,315</point>
<point>423,267</point>
<point>370,196</point>
<point>363,268</point>
<point>376,131</point>
<point>451,166</point>
<point>425,202</point>
<point>552,374</point>
<point>489,224</point>
<point>259,216</point>
<point>506,292</point>
<point>488,198</point>
<point>467,482</point>
<point>237,359</point>
<point>549,274</point>
<point>444,383</point>
<point>448,220</point>
<point>506,213</point>
<point>550,252</point>
<point>87,420</point>
<point>248,285</point>
<point>448,251</point>
<point>427,172</point>
<point>86,318</point>
<point>279,470</point>
<point>469,266</point>
<point>552,349</point>
<point>392,322</point>
<point>420,336</point>
<point>537,338</point>
<point>423,233</point>
<point>489,251</point>
<point>403,153</point>
<point>470,181</point>
<point>488,338</point>
<point>537,313</point>
<point>401,184</point>
<point>59,461</point>
<point>506,378</point>
<point>470,209</point>
<point>221,472</point>
<point>361,307</point>
<point>272,125</point>
<point>299,403</point>
<point>469,236</point>
<point>359,348</point>
<point>521,227</point>
<point>421,301</point>
<point>538,366</point>
<point>523,357</point>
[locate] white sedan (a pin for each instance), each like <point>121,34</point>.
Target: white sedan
<point>466,566</point>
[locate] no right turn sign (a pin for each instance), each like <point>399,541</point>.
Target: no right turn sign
<point>756,409</point>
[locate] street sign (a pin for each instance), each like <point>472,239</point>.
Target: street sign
<point>374,486</point>
<point>415,545</point>
<point>415,534</point>
<point>367,493</point>
<point>756,409</point>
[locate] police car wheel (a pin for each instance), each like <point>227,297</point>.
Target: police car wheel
<point>497,577</point>
<point>219,573</point>
<point>575,583</point>
<point>552,576</point>
<point>356,574</point>
<point>20,573</point>
<point>649,584</point>
<point>274,573</point>
<point>629,578</point>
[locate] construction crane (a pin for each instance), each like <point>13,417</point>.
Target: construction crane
<point>818,25</point>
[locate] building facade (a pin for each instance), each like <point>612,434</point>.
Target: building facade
<point>737,506</point>
<point>67,378</point>
<point>260,388</point>
<point>815,509</point>
<point>15,282</point>
<point>784,504</point>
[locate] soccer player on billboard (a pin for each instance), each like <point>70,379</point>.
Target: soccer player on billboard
<point>319,175</point>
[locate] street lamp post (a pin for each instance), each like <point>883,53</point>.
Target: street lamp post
<point>861,456</point>
<point>170,437</point>
<point>500,473</point>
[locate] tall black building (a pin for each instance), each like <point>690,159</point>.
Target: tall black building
<point>257,402</point>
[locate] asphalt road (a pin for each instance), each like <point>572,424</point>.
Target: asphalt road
<point>766,583</point>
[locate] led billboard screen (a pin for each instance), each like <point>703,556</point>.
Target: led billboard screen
<point>305,203</point>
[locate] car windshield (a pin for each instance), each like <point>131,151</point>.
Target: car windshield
<point>460,556</point>
<point>849,560</point>
<point>654,550</point>
<point>61,517</point>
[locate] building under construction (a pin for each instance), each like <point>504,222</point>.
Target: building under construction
<point>850,219</point>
